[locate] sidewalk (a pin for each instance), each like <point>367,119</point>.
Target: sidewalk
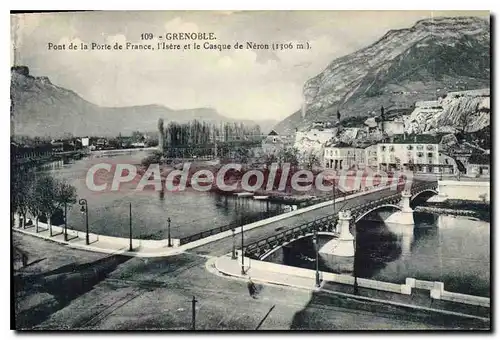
<point>105,244</point>
<point>78,242</point>
<point>419,299</point>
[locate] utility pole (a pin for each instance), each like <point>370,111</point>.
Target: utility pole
<point>193,307</point>
<point>354,264</point>
<point>130,225</point>
<point>65,221</point>
<point>168,227</point>
<point>315,240</point>
<point>233,255</point>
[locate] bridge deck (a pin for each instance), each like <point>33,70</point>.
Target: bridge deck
<point>220,247</point>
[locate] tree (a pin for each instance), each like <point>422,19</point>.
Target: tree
<point>338,115</point>
<point>46,195</point>
<point>40,196</point>
<point>312,160</point>
<point>161,135</point>
<point>137,136</point>
<point>270,159</point>
<point>65,196</point>
<point>20,184</point>
<point>242,154</point>
<point>289,155</point>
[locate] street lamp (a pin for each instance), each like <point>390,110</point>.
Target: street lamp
<point>233,255</point>
<point>168,228</point>
<point>85,209</point>
<point>315,241</point>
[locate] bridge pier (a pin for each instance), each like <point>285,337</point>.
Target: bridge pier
<point>405,216</point>
<point>344,244</point>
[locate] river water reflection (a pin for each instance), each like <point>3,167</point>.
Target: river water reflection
<point>190,212</point>
<point>454,250</point>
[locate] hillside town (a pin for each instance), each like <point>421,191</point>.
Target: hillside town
<point>387,145</point>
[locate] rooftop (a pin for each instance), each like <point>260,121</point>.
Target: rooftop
<point>412,139</point>
<point>339,145</point>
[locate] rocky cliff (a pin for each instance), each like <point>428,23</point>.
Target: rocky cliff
<point>433,57</point>
<point>466,111</point>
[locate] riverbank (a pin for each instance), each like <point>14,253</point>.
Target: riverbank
<point>415,294</point>
<point>476,209</point>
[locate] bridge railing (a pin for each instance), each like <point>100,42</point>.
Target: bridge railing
<point>234,225</point>
<point>258,248</point>
<point>326,223</point>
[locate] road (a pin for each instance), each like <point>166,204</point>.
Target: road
<point>133,293</point>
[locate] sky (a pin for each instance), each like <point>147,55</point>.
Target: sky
<point>242,84</point>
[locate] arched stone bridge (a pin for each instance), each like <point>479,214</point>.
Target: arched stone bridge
<point>338,223</point>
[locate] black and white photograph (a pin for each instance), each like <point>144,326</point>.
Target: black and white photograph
<point>250,170</point>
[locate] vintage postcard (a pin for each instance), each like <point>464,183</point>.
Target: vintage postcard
<point>250,170</point>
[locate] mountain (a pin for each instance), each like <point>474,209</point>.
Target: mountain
<point>434,57</point>
<point>41,108</point>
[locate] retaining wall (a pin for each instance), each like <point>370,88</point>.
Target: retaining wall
<point>465,190</point>
<point>436,289</point>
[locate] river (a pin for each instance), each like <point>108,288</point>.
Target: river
<point>451,249</point>
<point>190,211</point>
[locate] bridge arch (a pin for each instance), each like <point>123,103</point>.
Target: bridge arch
<point>430,190</point>
<point>359,217</point>
<point>276,248</point>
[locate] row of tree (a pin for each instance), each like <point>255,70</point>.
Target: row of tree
<point>40,194</point>
<point>197,133</point>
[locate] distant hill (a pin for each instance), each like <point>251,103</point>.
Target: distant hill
<point>421,63</point>
<point>41,108</point>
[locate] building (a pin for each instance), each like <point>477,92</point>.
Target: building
<point>57,145</point>
<point>371,159</point>
<point>85,141</point>
<point>342,156</point>
<point>479,165</point>
<point>273,143</point>
<point>322,125</point>
<point>319,135</point>
<point>418,153</point>
<point>393,127</point>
